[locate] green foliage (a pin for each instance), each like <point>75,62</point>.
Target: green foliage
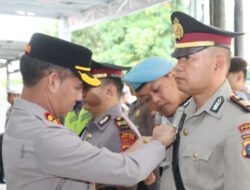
<point>127,40</point>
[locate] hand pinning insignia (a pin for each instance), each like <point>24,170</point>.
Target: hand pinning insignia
<point>48,116</point>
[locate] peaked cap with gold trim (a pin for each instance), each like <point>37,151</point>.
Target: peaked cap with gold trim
<point>63,53</point>
<point>193,36</point>
<point>103,70</point>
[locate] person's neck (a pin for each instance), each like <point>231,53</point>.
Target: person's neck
<point>201,98</point>
<point>36,95</point>
<point>105,107</point>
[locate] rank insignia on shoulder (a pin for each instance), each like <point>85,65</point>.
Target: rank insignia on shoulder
<point>121,123</point>
<point>104,120</point>
<point>244,104</point>
<point>217,104</point>
<point>48,116</point>
<point>127,140</point>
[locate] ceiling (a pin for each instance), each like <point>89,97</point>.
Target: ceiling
<point>49,8</point>
<point>77,14</point>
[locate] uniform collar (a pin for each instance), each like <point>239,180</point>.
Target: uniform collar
<point>102,121</point>
<point>214,105</point>
<point>35,109</point>
<point>22,104</point>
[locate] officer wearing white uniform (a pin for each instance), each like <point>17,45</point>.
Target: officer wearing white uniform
<point>212,148</point>
<point>40,153</point>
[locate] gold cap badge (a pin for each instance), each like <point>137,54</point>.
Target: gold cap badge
<point>178,29</point>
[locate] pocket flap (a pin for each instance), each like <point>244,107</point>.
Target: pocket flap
<point>197,152</point>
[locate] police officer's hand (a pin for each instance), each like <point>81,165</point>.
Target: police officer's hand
<point>150,179</point>
<point>139,143</point>
<point>165,134</point>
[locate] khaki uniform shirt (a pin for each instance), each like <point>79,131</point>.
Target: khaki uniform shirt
<point>39,154</point>
<point>141,117</point>
<point>215,146</point>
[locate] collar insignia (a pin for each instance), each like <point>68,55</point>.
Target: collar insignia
<point>217,104</point>
<point>48,116</point>
<point>104,120</point>
<point>178,29</point>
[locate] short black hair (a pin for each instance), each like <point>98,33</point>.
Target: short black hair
<point>116,81</point>
<point>33,70</point>
<point>238,64</point>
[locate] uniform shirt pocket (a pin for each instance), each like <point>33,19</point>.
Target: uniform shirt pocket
<point>193,160</point>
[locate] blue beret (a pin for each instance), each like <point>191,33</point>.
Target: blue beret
<point>148,70</point>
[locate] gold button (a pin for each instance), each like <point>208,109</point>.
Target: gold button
<point>195,155</point>
<point>186,132</point>
<point>137,113</point>
<point>89,136</point>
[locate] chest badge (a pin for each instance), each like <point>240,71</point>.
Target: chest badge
<point>246,148</point>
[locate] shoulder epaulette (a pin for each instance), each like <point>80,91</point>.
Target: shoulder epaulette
<point>121,123</point>
<point>50,117</point>
<point>244,104</point>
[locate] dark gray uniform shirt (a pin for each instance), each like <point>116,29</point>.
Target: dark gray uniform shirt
<point>113,130</point>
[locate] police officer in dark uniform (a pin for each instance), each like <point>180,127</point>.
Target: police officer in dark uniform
<point>110,127</point>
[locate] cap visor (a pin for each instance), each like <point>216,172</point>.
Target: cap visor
<point>182,52</point>
<point>89,79</point>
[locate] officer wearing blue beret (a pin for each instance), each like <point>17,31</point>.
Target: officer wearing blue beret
<point>212,148</point>
<point>39,152</point>
<point>141,111</point>
<point>139,78</point>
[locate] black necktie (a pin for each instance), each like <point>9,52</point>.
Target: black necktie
<point>175,163</point>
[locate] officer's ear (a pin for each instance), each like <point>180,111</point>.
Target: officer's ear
<point>110,90</point>
<point>53,82</point>
<point>220,63</point>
